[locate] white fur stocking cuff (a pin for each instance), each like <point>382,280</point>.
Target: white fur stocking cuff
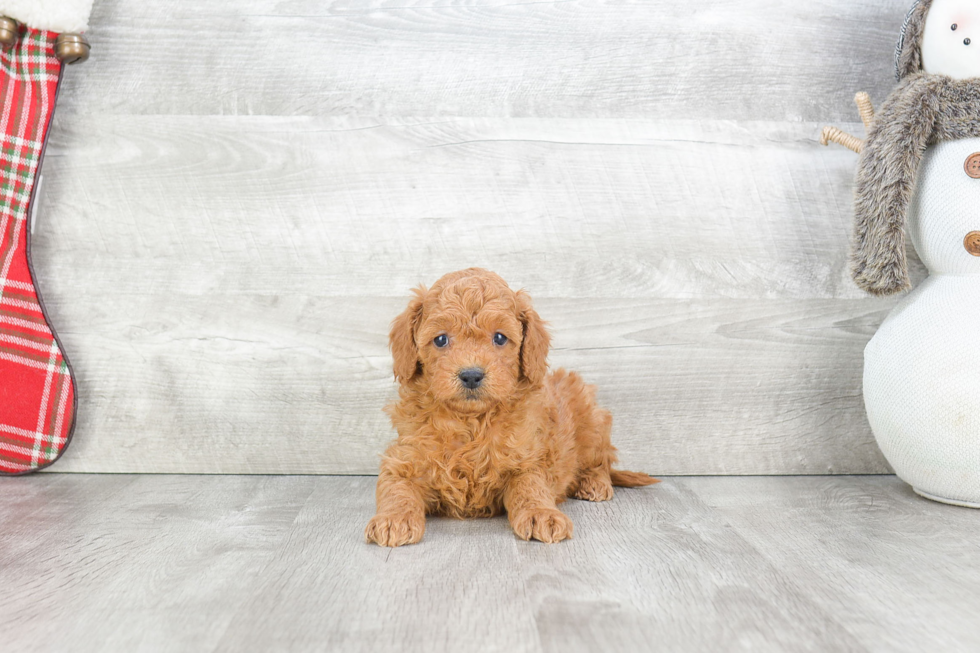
<point>53,15</point>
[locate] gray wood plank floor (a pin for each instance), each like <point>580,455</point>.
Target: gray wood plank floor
<point>232,563</point>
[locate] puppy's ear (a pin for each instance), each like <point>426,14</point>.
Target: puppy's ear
<point>401,340</point>
<point>536,342</point>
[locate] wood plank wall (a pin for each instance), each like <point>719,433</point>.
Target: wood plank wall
<point>239,194</point>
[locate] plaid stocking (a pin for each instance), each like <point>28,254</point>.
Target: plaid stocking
<point>37,394</point>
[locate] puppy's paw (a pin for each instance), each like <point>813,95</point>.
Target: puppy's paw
<point>545,525</point>
<point>395,530</point>
<point>591,488</point>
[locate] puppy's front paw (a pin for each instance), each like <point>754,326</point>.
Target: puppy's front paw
<point>395,530</point>
<point>545,525</point>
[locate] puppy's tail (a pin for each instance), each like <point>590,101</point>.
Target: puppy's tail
<point>631,479</point>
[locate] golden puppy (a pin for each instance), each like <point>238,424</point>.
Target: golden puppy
<point>482,426</point>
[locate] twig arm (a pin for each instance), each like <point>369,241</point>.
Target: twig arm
<point>866,109</point>
<point>834,135</point>
<point>853,143</point>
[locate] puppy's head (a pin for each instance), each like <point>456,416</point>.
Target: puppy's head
<point>470,341</point>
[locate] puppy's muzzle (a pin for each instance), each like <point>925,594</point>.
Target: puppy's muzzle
<point>471,378</point>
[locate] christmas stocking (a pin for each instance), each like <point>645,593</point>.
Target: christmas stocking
<point>37,393</point>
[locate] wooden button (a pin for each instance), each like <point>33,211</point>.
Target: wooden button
<point>972,243</point>
<point>972,165</point>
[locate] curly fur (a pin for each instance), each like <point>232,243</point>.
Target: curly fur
<point>923,110</point>
<point>521,443</point>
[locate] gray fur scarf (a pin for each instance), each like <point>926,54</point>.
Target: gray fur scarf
<point>923,110</point>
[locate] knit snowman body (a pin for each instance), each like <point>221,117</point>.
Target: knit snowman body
<point>919,178</point>
<point>922,368</point>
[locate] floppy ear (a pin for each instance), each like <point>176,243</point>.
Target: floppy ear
<point>536,341</point>
<point>401,340</point>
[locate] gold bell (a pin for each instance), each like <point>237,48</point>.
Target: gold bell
<point>72,48</point>
<point>9,30</point>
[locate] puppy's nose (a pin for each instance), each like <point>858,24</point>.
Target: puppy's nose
<point>472,378</point>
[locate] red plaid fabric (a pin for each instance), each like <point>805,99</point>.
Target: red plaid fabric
<point>37,395</point>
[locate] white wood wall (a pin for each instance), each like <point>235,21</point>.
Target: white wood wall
<point>239,194</point>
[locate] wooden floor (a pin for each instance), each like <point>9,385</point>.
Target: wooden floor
<point>234,563</point>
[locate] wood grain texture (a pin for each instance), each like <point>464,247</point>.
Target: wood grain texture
<point>343,207</point>
<point>713,59</point>
<point>260,396</point>
<point>841,562</point>
<point>224,563</point>
<point>223,281</point>
<point>122,563</point>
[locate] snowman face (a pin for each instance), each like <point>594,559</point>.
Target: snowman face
<point>951,40</point>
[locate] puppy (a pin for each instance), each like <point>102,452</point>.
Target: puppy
<point>482,427</point>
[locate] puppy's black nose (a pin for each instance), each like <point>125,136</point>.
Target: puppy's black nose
<point>471,378</point>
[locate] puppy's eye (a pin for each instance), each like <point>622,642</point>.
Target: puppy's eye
<point>499,339</point>
<point>441,341</point>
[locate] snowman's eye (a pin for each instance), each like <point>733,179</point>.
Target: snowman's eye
<point>967,41</point>
<point>955,26</point>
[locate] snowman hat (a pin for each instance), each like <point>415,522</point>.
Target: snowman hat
<point>908,54</point>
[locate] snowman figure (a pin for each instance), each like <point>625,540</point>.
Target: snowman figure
<point>919,174</point>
